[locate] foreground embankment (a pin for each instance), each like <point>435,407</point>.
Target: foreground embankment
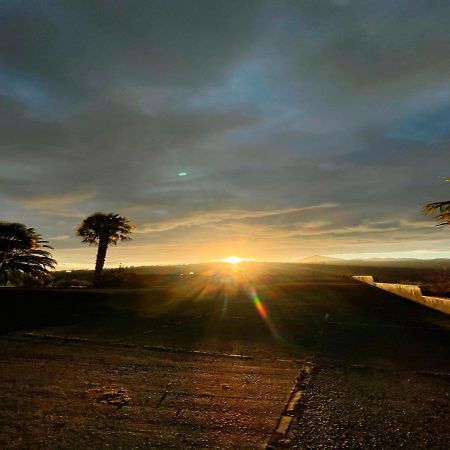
<point>214,365</point>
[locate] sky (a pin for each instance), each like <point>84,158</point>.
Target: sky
<point>264,129</point>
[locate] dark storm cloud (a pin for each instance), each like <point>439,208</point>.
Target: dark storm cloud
<point>85,46</point>
<point>360,45</point>
<point>268,106</point>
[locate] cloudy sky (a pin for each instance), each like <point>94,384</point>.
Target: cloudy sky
<point>265,129</point>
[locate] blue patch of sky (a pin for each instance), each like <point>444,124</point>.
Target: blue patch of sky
<point>248,87</point>
<point>29,91</point>
<point>430,127</point>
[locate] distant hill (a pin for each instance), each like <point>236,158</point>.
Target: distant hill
<point>319,259</point>
<point>377,262</point>
<point>401,262</point>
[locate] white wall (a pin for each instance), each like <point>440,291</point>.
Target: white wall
<point>409,291</point>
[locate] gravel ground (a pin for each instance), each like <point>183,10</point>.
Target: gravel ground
<point>361,408</point>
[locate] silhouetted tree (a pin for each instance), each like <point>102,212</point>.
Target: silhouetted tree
<point>23,254</point>
<point>441,210</point>
<point>104,229</point>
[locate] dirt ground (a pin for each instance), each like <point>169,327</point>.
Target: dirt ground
<point>77,395</point>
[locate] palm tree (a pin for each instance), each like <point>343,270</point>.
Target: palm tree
<point>441,211</point>
<point>104,229</point>
<point>23,253</point>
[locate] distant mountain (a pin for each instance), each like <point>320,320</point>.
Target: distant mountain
<point>377,262</point>
<point>402,262</point>
<point>319,259</point>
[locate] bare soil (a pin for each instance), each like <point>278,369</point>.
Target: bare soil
<point>60,394</point>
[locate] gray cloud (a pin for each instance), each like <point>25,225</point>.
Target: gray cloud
<point>225,216</point>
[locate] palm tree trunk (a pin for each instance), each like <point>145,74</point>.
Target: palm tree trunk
<point>101,256</point>
<point>3,268</point>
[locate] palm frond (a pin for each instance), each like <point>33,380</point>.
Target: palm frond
<point>113,227</point>
<point>441,211</point>
<point>23,253</point>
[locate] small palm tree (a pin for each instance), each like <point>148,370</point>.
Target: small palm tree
<point>441,211</point>
<point>23,254</point>
<point>104,229</point>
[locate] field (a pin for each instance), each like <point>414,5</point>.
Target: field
<point>211,360</point>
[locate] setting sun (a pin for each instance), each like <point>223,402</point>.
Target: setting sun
<point>233,260</point>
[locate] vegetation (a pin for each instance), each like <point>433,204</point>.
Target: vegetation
<point>104,229</point>
<point>441,211</point>
<point>23,255</point>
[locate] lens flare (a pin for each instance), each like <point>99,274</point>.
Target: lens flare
<point>263,312</point>
<point>257,302</point>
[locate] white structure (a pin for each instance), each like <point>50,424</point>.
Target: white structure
<point>409,291</point>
